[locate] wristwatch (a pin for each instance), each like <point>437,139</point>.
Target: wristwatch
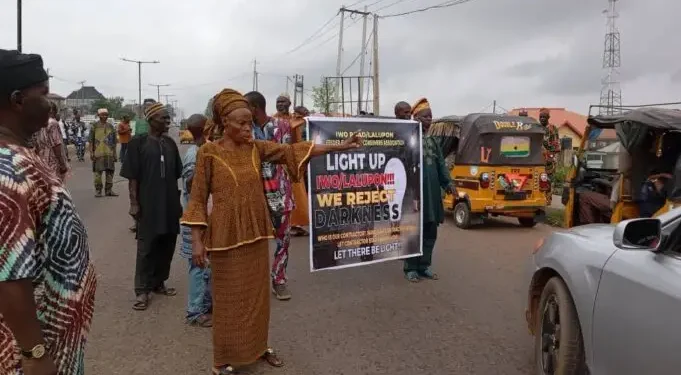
<point>37,352</point>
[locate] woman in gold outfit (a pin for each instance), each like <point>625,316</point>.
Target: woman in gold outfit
<point>235,237</point>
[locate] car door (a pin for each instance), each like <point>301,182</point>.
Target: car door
<point>636,314</point>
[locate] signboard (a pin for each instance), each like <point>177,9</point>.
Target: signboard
<point>362,201</point>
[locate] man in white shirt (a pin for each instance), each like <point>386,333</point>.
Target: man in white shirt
<point>64,136</point>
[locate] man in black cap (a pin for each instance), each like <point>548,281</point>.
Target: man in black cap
<point>47,283</point>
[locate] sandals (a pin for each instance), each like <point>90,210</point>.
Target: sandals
<point>203,321</point>
<point>412,276</point>
<point>271,358</point>
<point>226,370</point>
<point>141,303</point>
<point>168,292</point>
<point>428,274</point>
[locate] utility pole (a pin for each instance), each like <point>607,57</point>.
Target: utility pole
<point>377,95</point>
<point>494,107</point>
<point>362,60</point>
<point>339,60</point>
<point>19,46</point>
<point>611,92</point>
<point>158,90</point>
<point>139,78</point>
<point>255,75</point>
<point>166,96</point>
<point>298,91</point>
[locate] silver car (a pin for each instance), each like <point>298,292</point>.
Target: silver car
<point>606,299</point>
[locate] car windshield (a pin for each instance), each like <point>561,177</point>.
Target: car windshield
<point>602,152</point>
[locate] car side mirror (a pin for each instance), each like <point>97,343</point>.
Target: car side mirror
<point>638,234</point>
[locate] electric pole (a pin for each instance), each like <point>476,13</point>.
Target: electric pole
<point>298,91</point>
<point>255,75</point>
<point>166,96</point>
<point>494,106</point>
<point>362,60</point>
<point>377,95</point>
<point>19,46</point>
<point>139,78</point>
<point>158,90</point>
<point>339,60</point>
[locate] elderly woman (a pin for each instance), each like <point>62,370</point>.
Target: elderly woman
<point>237,232</point>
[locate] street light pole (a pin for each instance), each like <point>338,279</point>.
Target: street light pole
<point>158,90</point>
<point>19,25</point>
<point>139,78</point>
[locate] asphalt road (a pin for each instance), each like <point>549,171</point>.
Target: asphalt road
<point>366,320</point>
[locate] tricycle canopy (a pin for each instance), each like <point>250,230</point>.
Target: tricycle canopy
<point>500,140</point>
<point>445,131</point>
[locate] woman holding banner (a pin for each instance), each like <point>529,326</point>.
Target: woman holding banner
<point>435,177</point>
<point>235,236</point>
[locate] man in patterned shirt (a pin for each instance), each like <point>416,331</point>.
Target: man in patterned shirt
<point>47,283</point>
<point>277,188</point>
<point>551,148</point>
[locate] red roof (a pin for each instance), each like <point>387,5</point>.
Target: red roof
<point>562,117</point>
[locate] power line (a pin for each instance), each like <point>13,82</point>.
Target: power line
<point>446,4</point>
<point>360,54</point>
<point>390,5</point>
<point>316,35</point>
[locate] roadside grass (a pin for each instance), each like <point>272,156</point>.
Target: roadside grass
<point>554,216</point>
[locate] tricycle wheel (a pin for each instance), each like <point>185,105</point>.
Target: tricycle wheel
<point>527,222</point>
<point>558,342</point>
<point>462,215</point>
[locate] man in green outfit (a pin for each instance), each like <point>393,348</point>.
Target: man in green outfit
<point>141,124</point>
<point>435,179</point>
<point>103,153</point>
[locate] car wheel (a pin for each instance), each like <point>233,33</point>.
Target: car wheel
<point>558,346</point>
<point>527,222</point>
<point>462,215</point>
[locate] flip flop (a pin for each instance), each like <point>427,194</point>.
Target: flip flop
<point>168,292</point>
<point>428,274</point>
<point>141,303</point>
<point>271,358</point>
<point>412,276</point>
<point>203,321</point>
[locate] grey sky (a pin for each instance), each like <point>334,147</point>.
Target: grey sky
<point>519,52</point>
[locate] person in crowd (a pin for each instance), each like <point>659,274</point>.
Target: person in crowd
<point>78,129</point>
<point>47,282</point>
<point>103,153</point>
<point>300,215</point>
<point>435,178</point>
<point>403,111</point>
<point>199,301</point>
<point>48,144</point>
<point>64,129</point>
<point>141,124</point>
<point>152,167</point>
<point>236,234</point>
<point>551,148</point>
<point>277,187</point>
<point>124,135</point>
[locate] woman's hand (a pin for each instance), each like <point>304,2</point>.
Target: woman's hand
<point>199,254</point>
<point>353,141</point>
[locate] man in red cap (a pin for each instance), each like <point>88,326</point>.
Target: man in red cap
<point>551,149</point>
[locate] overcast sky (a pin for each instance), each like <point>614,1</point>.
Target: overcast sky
<point>519,52</point>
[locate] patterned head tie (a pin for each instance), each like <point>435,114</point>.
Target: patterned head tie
<point>419,106</point>
<point>153,109</point>
<point>226,102</point>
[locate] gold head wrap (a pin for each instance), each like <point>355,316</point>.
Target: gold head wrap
<point>208,129</point>
<point>544,111</point>
<point>419,106</point>
<point>226,102</point>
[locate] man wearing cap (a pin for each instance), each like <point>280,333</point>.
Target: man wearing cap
<point>551,148</point>
<point>103,153</point>
<point>152,167</point>
<point>435,178</point>
<point>47,282</point>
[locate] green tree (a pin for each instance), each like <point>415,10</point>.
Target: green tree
<point>322,95</point>
<point>115,107</point>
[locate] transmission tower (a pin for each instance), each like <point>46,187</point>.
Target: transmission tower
<point>611,94</point>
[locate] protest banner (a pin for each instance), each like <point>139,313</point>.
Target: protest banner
<point>362,201</point>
